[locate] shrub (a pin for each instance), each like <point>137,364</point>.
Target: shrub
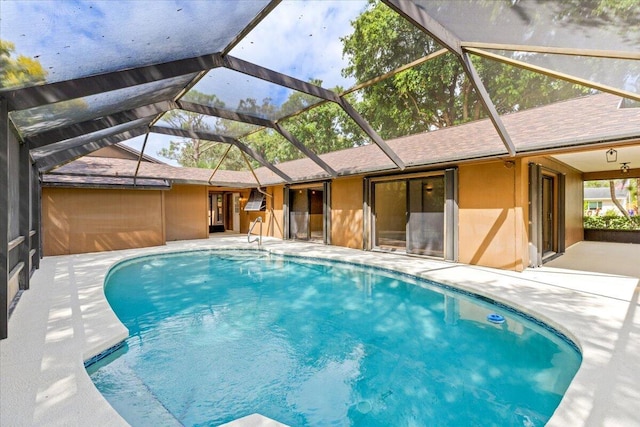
<point>612,222</point>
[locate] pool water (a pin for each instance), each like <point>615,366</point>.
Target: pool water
<point>218,335</point>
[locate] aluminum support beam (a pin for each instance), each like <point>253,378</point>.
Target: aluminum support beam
<point>144,145</point>
<point>422,20</point>
<point>90,126</point>
<point>192,134</point>
<point>248,28</point>
<point>310,154</point>
<point>51,160</point>
<point>4,219</point>
<point>488,104</point>
<point>225,139</point>
<point>24,213</point>
<point>21,99</point>
<point>36,216</point>
<point>366,127</point>
<point>224,114</point>
<point>278,78</point>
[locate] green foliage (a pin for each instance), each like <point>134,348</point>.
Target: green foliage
<point>612,222</point>
<point>18,72</point>
<point>436,94</point>
<point>201,153</point>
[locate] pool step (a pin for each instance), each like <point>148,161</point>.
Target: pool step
<point>254,420</point>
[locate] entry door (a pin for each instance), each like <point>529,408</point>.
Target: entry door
<point>216,212</point>
<point>236,212</point>
<point>548,210</point>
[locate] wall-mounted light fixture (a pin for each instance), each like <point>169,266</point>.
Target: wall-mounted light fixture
<point>612,156</point>
<point>624,168</point>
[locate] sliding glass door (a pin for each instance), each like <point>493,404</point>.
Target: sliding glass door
<point>409,215</point>
<point>306,214</point>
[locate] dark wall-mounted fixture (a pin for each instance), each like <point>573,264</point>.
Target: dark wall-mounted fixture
<point>624,168</point>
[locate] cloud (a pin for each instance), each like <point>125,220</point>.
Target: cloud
<point>78,38</point>
<point>302,39</point>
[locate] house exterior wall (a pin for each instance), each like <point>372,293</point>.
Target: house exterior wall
<point>346,212</point>
<point>493,214</point>
<point>246,218</point>
<point>491,218</point>
<point>78,220</point>
<point>186,214</point>
<point>275,212</point>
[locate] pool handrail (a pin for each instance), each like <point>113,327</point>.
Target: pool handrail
<point>253,224</point>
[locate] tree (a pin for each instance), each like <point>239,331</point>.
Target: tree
<point>18,72</point>
<point>437,93</point>
<point>612,192</point>
<point>201,153</point>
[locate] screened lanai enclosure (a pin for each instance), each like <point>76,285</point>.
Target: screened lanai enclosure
<point>243,89</point>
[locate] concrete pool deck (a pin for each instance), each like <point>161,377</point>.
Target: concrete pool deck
<point>64,319</point>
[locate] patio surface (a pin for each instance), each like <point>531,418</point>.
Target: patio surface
<point>590,293</point>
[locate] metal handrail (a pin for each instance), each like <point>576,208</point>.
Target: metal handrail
<point>253,224</point>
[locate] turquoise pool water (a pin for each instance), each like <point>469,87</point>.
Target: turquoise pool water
<point>218,335</point>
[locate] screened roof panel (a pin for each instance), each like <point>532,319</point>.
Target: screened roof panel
<point>47,117</point>
<point>234,91</point>
<point>623,74</point>
<point>429,96</point>
<point>526,89</point>
<point>358,45</point>
<point>302,39</point>
<point>186,120</point>
<point>272,145</point>
<point>326,128</point>
<point>65,37</point>
<point>550,23</point>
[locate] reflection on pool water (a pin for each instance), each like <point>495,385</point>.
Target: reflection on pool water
<point>218,335</point>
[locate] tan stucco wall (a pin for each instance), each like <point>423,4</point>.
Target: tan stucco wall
<point>274,215</point>
<point>346,213</point>
<point>247,217</point>
<point>90,220</point>
<point>186,212</point>
<point>491,222</point>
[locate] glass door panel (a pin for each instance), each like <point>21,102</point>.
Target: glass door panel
<point>425,227</point>
<point>299,215</point>
<point>547,215</point>
<point>316,214</point>
<point>390,214</point>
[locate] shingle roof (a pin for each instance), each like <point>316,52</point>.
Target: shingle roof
<point>580,121</point>
<point>604,193</point>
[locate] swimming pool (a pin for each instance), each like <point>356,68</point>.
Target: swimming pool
<point>218,335</point>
